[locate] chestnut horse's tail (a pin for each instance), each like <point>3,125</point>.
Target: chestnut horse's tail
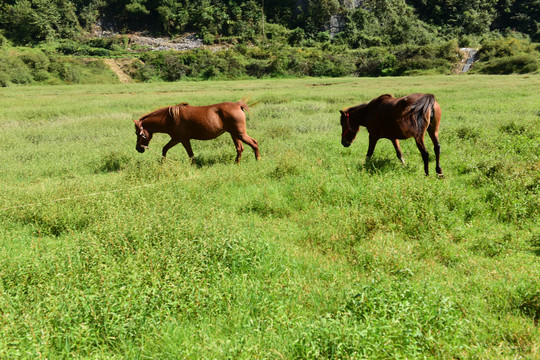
<point>243,104</point>
<point>422,111</point>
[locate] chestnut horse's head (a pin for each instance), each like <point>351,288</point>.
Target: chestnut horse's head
<point>348,133</point>
<point>143,136</point>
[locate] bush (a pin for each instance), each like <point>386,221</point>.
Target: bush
<point>35,60</point>
<point>66,71</point>
<point>333,66</point>
<point>13,70</point>
<point>174,68</point>
<point>376,62</point>
<point>297,37</point>
<point>506,47</point>
<point>3,41</point>
<point>517,64</point>
<point>93,47</point>
<point>4,79</point>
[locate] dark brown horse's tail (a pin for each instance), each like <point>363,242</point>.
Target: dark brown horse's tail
<point>422,111</point>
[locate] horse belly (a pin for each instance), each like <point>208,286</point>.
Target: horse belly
<point>206,131</point>
<point>399,134</point>
<point>199,135</point>
<point>397,127</point>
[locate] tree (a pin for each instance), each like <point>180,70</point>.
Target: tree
<point>38,20</point>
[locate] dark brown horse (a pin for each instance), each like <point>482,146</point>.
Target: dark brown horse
<point>394,119</point>
<point>184,122</point>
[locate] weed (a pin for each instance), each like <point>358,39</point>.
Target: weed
<point>112,162</point>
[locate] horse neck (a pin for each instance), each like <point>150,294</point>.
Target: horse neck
<point>358,116</point>
<point>155,122</point>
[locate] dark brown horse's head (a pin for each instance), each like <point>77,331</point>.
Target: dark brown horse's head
<point>348,133</point>
<point>143,136</point>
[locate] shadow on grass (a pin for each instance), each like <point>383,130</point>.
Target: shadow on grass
<point>201,161</point>
<point>380,165</point>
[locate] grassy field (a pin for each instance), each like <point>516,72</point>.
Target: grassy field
<point>309,253</point>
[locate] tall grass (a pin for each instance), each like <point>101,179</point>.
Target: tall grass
<point>309,253</point>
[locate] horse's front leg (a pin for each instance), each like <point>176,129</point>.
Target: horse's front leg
<point>425,155</point>
<point>371,148</point>
<point>169,145</point>
<point>399,154</point>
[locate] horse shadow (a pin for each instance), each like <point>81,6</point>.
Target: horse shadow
<point>379,165</point>
<point>201,161</point>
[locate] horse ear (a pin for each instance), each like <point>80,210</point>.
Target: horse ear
<point>342,112</point>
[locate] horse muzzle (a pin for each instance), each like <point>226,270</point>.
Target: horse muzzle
<point>345,143</point>
<point>141,149</point>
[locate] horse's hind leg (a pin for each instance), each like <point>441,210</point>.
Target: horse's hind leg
<point>251,142</point>
<point>399,154</point>
<point>239,148</point>
<point>434,135</point>
<point>425,155</point>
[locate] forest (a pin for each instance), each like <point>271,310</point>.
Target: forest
<point>269,38</point>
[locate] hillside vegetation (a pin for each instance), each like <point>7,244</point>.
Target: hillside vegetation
<point>309,253</point>
<point>63,41</point>
<point>371,22</point>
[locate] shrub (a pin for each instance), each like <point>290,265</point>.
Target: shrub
<point>333,66</point>
<point>3,40</point>
<point>209,39</point>
<point>35,60</point>
<point>14,70</point>
<point>4,79</point>
<point>68,47</point>
<point>257,68</point>
<point>174,68</point>
<point>234,63</point>
<point>297,37</point>
<point>277,33</point>
<point>376,62</point>
<point>143,72</point>
<point>502,48</point>
<point>516,64</point>
<point>66,71</point>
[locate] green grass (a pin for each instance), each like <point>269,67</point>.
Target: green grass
<point>309,253</point>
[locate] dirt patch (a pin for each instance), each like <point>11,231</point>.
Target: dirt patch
<point>117,69</point>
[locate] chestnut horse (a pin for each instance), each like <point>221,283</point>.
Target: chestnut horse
<point>184,122</point>
<point>394,119</point>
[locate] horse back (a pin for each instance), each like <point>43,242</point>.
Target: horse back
<point>391,118</point>
<point>208,122</point>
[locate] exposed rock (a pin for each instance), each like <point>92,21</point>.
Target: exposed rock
<point>468,58</point>
<point>187,42</point>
